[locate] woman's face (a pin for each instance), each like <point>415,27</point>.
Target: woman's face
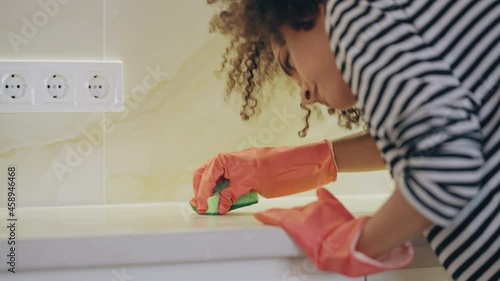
<point>308,59</point>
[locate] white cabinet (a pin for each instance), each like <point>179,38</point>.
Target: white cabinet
<point>280,269</point>
<point>417,274</point>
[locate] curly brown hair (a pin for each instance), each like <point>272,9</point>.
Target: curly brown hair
<point>249,60</point>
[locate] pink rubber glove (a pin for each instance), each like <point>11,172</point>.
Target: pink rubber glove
<point>328,234</point>
<point>270,171</point>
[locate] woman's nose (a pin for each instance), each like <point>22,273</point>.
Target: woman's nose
<point>306,94</point>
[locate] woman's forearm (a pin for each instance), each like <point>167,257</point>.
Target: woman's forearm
<point>395,223</point>
<point>357,153</point>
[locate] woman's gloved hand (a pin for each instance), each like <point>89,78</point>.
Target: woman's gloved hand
<point>328,234</point>
<point>270,171</point>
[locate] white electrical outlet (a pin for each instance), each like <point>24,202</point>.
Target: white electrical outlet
<point>98,86</point>
<point>15,87</point>
<point>57,86</point>
<point>61,86</point>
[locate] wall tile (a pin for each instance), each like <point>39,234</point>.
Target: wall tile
<point>58,157</point>
<point>51,29</point>
<point>46,147</point>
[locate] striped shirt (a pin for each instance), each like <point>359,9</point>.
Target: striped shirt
<point>427,75</point>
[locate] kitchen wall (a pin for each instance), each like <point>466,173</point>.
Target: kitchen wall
<point>175,117</point>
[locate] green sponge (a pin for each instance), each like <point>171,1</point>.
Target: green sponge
<point>213,201</point>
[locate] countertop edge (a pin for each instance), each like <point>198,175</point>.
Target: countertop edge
<point>141,249</point>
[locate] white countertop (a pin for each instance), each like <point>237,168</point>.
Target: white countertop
<point>153,233</point>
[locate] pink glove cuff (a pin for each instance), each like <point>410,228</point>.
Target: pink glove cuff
<point>339,253</point>
<point>396,258</point>
<point>334,164</point>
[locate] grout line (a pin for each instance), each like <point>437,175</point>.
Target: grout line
<point>104,29</point>
<point>104,22</point>
<point>104,158</point>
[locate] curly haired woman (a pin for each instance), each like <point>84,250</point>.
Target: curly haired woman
<point>424,76</point>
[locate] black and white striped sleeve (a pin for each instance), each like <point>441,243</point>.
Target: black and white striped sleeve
<point>424,121</point>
